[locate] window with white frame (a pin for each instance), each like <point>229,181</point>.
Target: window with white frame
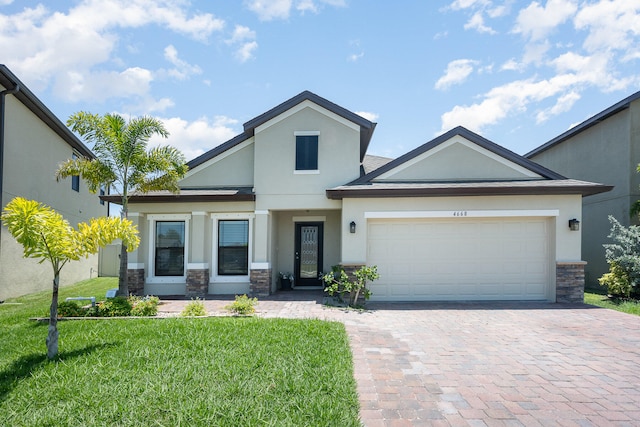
<point>232,246</point>
<point>306,151</point>
<point>168,247</point>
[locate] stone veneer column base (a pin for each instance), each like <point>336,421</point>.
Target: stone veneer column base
<point>135,281</point>
<point>197,283</point>
<point>260,282</point>
<point>570,281</point>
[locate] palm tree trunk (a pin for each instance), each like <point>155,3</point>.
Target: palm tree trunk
<point>123,279</point>
<point>52,337</point>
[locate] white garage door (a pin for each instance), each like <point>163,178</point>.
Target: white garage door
<point>459,260</point>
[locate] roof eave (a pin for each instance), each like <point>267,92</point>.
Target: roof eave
<point>178,198</point>
<point>338,194</point>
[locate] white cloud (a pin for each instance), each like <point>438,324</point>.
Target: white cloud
<point>536,21</point>
<point>66,49</point>
<point>611,25</point>
<point>268,10</point>
<point>563,104</point>
<point>477,23</point>
<point>196,137</point>
<point>355,57</point>
<point>457,72</point>
<point>466,4</point>
<point>372,117</point>
<point>243,39</point>
<point>182,69</point>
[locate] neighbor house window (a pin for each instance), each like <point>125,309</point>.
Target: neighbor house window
<point>75,179</point>
<point>102,194</point>
<point>233,247</point>
<point>169,248</point>
<point>306,152</point>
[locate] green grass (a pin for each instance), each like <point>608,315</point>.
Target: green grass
<point>173,372</point>
<point>599,298</point>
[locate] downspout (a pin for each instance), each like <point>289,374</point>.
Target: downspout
<point>3,94</point>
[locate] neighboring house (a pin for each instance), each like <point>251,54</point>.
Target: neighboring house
<point>459,218</point>
<point>604,148</point>
<point>33,142</point>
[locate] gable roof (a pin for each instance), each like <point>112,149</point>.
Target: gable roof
<point>474,138</point>
<point>9,81</point>
<point>366,127</point>
<point>549,182</point>
<point>603,115</point>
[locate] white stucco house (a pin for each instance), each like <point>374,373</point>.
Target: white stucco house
<point>33,142</point>
<point>458,218</point>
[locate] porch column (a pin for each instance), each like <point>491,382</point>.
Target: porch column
<point>261,272</point>
<point>570,281</point>
<point>198,266</point>
<point>135,264</point>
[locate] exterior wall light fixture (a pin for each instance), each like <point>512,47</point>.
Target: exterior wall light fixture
<point>574,225</point>
<point>352,227</point>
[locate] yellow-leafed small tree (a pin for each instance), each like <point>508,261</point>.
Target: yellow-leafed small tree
<point>46,235</point>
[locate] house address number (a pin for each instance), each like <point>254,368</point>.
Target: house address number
<point>459,213</point>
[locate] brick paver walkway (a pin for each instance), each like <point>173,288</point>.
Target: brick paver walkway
<point>485,364</point>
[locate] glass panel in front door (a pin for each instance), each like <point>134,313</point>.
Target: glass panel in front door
<point>309,252</point>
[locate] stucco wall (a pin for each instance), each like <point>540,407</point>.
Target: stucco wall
<point>31,157</point>
<point>233,168</point>
<point>275,175</point>
<point>608,153</point>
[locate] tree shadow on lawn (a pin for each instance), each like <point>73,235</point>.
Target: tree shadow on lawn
<point>24,366</point>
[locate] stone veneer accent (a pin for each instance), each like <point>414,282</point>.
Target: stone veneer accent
<point>135,281</point>
<point>570,282</point>
<point>260,282</point>
<point>197,283</point>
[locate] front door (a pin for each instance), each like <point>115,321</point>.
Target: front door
<point>308,253</point>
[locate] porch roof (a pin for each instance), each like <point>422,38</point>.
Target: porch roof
<point>484,188</point>
<point>238,194</point>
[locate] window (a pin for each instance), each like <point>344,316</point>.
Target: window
<point>233,247</point>
<point>169,248</point>
<point>75,179</point>
<point>306,152</point>
<point>102,194</point>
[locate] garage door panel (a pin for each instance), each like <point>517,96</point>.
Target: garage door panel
<point>465,259</point>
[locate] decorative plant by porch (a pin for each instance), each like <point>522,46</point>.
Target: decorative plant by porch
<point>46,235</point>
<point>623,257</point>
<point>339,282</point>
<point>123,162</point>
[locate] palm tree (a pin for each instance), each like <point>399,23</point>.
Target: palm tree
<point>123,162</point>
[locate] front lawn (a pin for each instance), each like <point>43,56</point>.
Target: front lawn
<point>172,372</point>
<point>602,300</point>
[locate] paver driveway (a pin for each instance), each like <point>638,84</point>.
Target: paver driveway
<point>494,364</point>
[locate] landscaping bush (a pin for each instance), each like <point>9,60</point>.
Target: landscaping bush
<point>147,306</point>
<point>114,307</point>
<point>194,308</point>
<point>623,257</point>
<point>70,309</point>
<point>243,305</point>
<point>338,282</point>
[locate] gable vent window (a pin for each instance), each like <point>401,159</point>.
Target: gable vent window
<point>75,179</point>
<point>306,152</point>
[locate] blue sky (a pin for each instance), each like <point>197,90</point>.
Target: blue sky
<point>517,72</point>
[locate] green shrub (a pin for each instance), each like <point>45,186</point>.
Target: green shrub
<point>623,257</point>
<point>70,309</point>
<point>147,306</point>
<point>617,281</point>
<point>194,308</point>
<point>242,305</point>
<point>114,307</point>
<point>338,282</point>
